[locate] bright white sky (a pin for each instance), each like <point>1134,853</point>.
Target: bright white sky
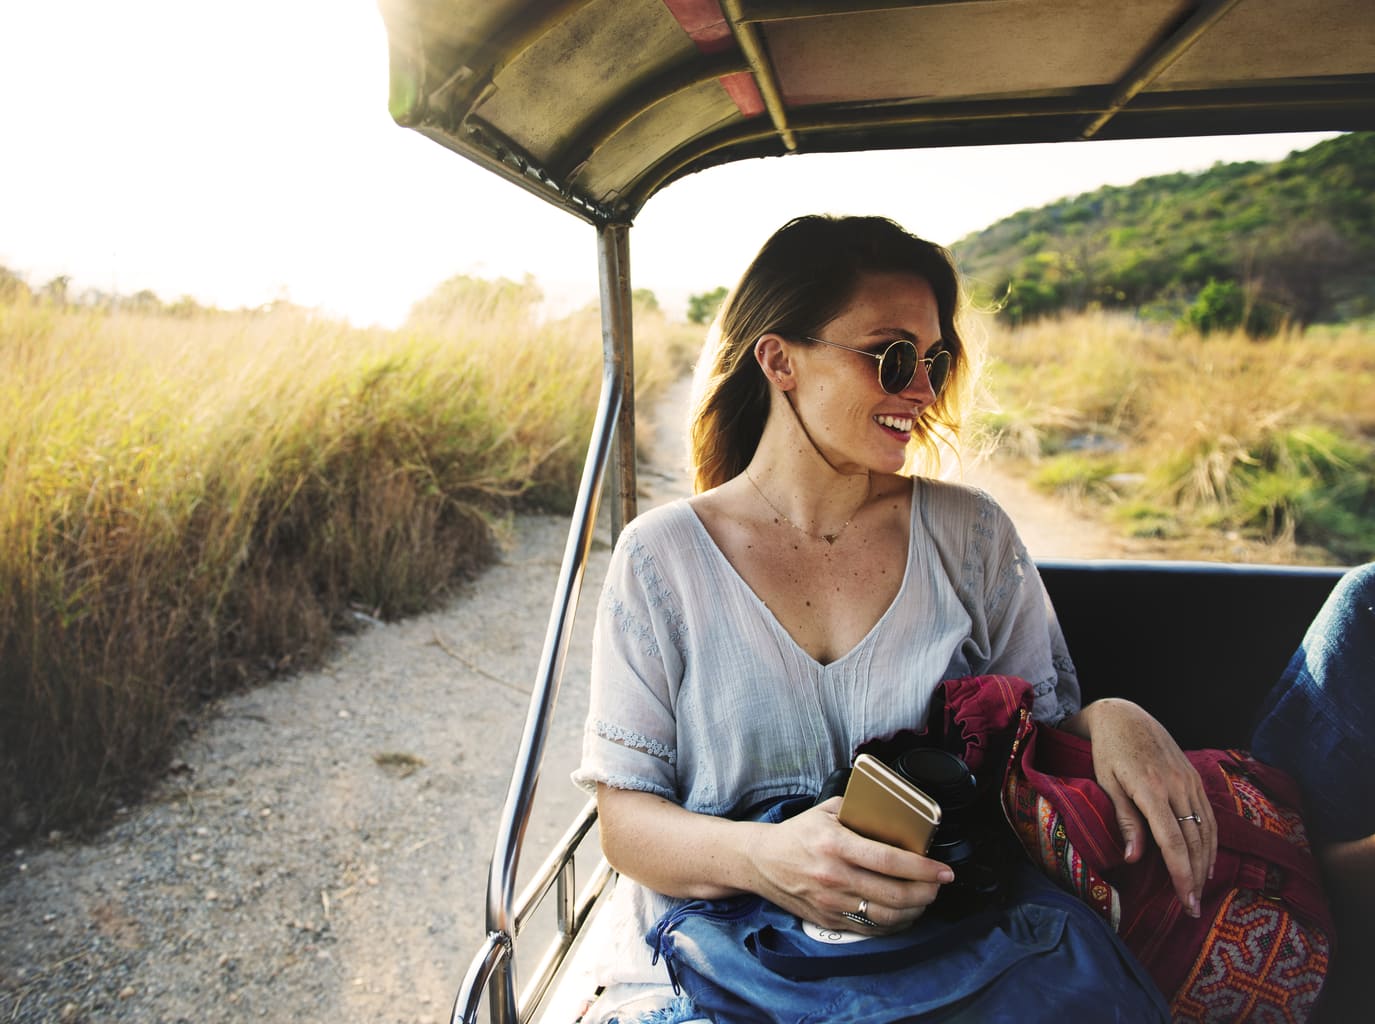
<point>242,152</point>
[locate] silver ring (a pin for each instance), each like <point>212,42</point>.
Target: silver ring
<point>1191,817</point>
<point>863,910</point>
<point>859,919</point>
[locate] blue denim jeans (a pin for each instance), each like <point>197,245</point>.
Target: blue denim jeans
<point>1318,723</point>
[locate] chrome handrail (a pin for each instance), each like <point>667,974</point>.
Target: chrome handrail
<point>558,869</point>
<point>494,967</point>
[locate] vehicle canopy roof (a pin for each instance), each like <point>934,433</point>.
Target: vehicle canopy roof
<point>595,105</point>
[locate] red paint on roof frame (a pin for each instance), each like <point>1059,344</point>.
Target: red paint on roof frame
<point>706,25</point>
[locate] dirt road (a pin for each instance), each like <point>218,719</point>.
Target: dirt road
<point>319,852</point>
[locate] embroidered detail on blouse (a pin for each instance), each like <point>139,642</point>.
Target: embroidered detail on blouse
<point>658,594</point>
<point>1010,579</point>
<point>972,571</point>
<point>630,782</point>
<point>637,741</point>
<point>630,625</point>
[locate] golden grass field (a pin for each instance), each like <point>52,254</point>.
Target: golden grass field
<point>194,502</point>
<point>189,504</point>
<point>1221,446</point>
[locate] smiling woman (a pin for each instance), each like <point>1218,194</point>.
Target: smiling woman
<point>808,597</point>
<point>863,279</point>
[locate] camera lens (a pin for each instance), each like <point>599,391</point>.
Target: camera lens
<point>958,840</point>
<point>942,776</point>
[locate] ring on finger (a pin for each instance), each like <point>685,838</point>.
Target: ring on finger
<point>1192,816</point>
<point>860,916</point>
<point>859,919</point>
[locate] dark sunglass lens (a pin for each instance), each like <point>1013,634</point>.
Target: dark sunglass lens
<point>939,370</point>
<point>898,366</point>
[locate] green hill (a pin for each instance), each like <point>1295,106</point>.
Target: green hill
<point>1292,240</point>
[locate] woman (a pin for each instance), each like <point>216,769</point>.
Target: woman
<point>810,597</point>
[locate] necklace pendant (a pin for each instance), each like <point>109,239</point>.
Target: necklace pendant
<point>829,538</point>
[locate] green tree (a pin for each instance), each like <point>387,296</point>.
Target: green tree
<point>702,308</point>
<point>1220,306</point>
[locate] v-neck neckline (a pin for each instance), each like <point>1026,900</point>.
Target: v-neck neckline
<point>778,626</point>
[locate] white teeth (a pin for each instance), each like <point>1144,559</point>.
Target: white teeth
<point>900,423</point>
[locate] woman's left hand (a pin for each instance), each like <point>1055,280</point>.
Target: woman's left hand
<point>1147,776</point>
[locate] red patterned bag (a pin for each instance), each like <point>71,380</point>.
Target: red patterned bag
<point>1260,947</point>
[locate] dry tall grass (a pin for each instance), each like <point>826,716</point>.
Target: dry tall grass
<point>1231,447</point>
<point>189,505</point>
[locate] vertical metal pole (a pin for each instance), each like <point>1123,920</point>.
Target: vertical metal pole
<point>617,367</point>
<point>618,348</point>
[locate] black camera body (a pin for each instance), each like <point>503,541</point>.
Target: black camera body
<point>968,838</point>
<point>973,838</point>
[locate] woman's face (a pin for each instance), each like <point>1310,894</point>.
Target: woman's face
<point>857,424</point>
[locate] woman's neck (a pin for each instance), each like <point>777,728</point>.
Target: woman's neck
<point>803,486</point>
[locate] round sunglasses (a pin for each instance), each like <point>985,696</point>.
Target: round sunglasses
<point>897,364</point>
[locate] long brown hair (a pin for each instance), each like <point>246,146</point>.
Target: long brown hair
<point>802,279</point>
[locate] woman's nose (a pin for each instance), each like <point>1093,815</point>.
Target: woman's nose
<point>919,389</point>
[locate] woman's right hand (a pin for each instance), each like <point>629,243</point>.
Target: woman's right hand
<point>818,869</point>
<point>811,864</point>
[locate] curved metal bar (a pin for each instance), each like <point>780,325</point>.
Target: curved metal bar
<point>543,974</point>
<point>548,872</point>
<point>1155,63</point>
<point>751,42</point>
<point>791,10</point>
<point>613,255</point>
<point>494,951</point>
<point>820,119</point>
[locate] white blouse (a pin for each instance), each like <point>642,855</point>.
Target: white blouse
<point>701,696</point>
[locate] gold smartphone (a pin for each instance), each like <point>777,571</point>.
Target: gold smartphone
<point>880,804</point>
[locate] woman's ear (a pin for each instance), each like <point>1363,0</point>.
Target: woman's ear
<point>772,354</point>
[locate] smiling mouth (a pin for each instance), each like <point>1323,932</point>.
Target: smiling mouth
<point>896,424</point>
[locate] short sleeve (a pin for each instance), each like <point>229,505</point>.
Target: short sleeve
<point>1024,636</point>
<point>1012,629</point>
<point>630,738</point>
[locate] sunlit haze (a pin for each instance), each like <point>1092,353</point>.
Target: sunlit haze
<point>240,153</point>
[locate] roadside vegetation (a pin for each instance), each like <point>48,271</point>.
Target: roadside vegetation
<point>193,500</point>
<point>1218,446</point>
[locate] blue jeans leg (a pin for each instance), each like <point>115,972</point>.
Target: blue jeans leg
<point>1318,723</point>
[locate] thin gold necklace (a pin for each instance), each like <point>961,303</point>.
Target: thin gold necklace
<point>829,538</point>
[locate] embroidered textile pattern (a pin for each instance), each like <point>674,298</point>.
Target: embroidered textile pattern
<point>633,740</point>
<point>971,572</point>
<point>657,593</point>
<point>1257,808</point>
<point>628,623</point>
<point>1040,827</point>
<point>1260,949</point>
<point>1258,963</point>
<point>1064,666</point>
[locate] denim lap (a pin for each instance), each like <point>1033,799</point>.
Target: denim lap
<point>1318,723</point>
